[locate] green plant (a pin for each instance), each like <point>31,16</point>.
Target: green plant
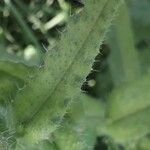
<point>41,104</point>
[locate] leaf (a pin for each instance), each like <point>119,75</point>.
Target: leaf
<point>8,87</point>
<point>42,145</point>
<point>140,10</point>
<point>17,70</point>
<point>128,111</point>
<point>140,144</point>
<point>41,106</point>
<point>123,60</point>
<point>13,77</point>
<point>85,124</point>
<point>67,138</point>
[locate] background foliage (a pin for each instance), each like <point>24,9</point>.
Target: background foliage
<point>111,112</point>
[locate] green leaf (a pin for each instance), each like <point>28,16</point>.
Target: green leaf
<point>8,87</point>
<point>123,61</point>
<point>17,70</point>
<point>67,138</point>
<point>128,111</point>
<point>41,108</point>
<point>13,78</point>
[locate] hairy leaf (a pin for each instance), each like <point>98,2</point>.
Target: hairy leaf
<point>65,68</point>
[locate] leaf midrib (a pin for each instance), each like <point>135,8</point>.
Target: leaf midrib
<point>27,121</point>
